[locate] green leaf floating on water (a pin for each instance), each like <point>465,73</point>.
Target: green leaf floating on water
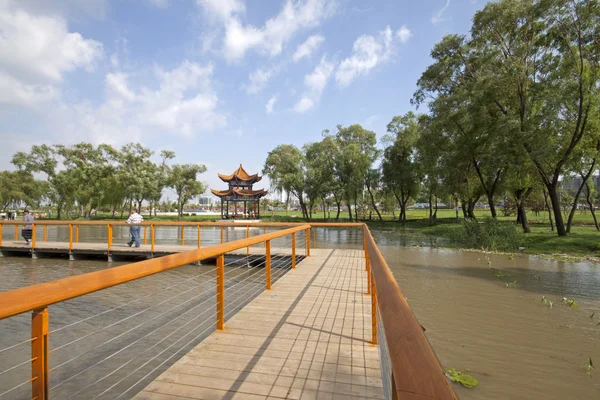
<point>464,379</point>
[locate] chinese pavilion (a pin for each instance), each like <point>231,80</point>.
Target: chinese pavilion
<point>240,191</point>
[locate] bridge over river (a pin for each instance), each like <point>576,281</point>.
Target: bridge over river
<point>263,314</point>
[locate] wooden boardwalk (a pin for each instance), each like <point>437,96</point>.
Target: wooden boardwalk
<point>307,338</point>
<point>122,249</point>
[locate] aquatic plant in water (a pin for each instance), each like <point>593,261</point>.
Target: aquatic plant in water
<point>501,274</point>
<point>570,302</point>
<point>511,284</point>
<point>544,300</point>
<point>464,379</point>
<point>589,367</point>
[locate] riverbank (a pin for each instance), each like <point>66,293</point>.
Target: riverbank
<point>583,243</point>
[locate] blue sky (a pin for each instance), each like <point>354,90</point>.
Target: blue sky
<point>220,82</point>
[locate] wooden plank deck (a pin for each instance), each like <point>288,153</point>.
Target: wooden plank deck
<point>307,338</point>
<point>122,248</point>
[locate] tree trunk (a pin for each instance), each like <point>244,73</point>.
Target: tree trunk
<point>464,209</point>
<point>549,210</point>
<point>179,210</point>
<point>576,200</point>
<point>373,203</point>
<point>349,203</point>
<point>130,205</point>
<point>430,209</point>
<point>588,198</point>
<point>558,218</point>
<point>471,211</point>
<point>324,211</point>
<point>520,196</point>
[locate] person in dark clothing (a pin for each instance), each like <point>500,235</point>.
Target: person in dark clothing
<point>27,227</point>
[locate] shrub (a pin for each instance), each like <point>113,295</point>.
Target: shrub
<point>490,234</point>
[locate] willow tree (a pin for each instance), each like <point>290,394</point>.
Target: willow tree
<point>285,168</point>
<point>401,174</point>
<point>541,59</point>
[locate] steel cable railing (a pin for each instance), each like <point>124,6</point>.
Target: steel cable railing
<point>163,320</point>
<point>248,296</point>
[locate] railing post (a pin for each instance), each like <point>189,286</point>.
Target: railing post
<point>264,233</point>
<point>16,232</point>
<point>145,226</point>
<point>39,354</point>
<point>152,238</point>
<point>364,235</point>
<point>109,236</point>
<point>70,236</point>
<point>33,236</point>
<point>268,263</point>
<point>199,228</point>
<point>182,235</point>
<point>308,242</point>
<point>45,233</point>
<point>1,226</point>
<point>222,235</point>
<point>373,310</point>
<point>368,267</point>
<point>76,233</point>
<point>247,236</point>
<point>293,250</point>
<point>220,292</point>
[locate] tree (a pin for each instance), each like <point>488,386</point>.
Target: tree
<point>400,171</point>
<point>284,167</point>
<point>543,57</point>
<point>320,170</point>
<point>353,162</point>
<point>183,180</point>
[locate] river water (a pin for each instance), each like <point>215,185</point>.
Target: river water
<point>506,336</point>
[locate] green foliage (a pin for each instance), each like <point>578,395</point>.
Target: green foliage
<point>590,367</point>
<point>490,234</point>
<point>464,379</point>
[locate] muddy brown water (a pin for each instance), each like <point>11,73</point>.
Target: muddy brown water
<point>516,346</point>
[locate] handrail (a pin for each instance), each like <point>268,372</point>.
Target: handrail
<point>34,297</point>
<point>237,223</point>
<point>162,223</point>
<point>416,370</point>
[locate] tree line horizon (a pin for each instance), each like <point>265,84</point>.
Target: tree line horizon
<point>512,108</point>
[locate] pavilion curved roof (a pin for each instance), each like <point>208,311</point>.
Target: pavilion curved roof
<point>241,175</point>
<point>239,192</point>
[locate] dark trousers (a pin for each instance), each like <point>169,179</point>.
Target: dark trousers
<point>26,233</point>
<point>135,236</point>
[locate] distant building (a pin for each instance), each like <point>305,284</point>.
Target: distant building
<point>571,182</point>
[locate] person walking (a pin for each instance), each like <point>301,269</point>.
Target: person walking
<point>134,219</point>
<point>27,227</point>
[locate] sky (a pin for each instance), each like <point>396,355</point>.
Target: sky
<point>220,82</point>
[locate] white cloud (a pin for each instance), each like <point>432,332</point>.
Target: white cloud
<point>306,48</point>
<point>317,80</point>
<point>222,9</point>
<point>274,34</point>
<point>438,16</point>
<point>40,48</point>
<point>315,83</point>
<point>258,80</point>
<point>303,105</point>
<point>14,93</point>
<point>403,34</point>
<point>38,51</point>
<point>367,52</point>
<point>270,104</point>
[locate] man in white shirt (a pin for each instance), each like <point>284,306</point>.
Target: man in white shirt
<point>134,219</point>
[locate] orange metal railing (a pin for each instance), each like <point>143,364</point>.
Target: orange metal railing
<point>37,298</point>
<point>414,371</point>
